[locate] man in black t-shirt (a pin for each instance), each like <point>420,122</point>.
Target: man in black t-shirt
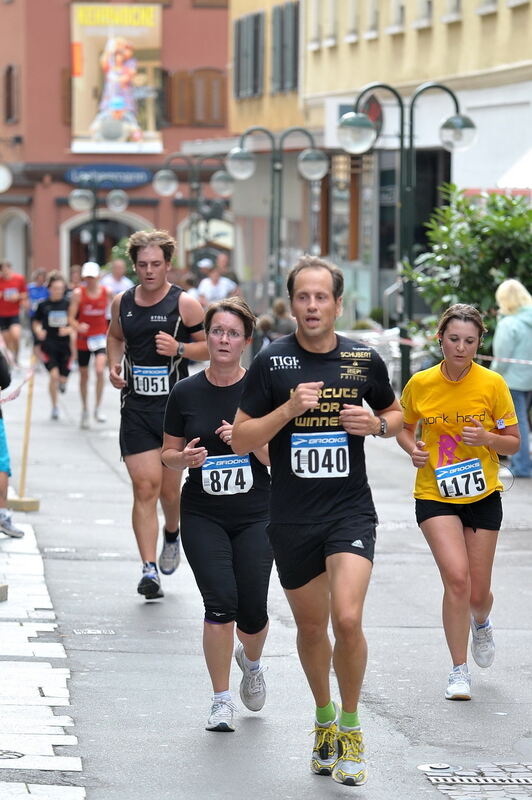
<point>303,394</point>
<point>155,327</point>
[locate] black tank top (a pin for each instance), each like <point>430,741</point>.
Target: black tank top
<point>150,376</point>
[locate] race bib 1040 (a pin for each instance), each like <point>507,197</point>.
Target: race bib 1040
<point>150,380</point>
<point>464,479</point>
<point>320,455</point>
<point>229,474</point>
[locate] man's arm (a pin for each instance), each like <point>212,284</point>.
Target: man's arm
<point>115,345</point>
<point>361,421</point>
<point>192,314</point>
<point>250,433</point>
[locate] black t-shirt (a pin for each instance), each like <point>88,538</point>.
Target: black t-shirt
<point>150,376</point>
<point>53,315</point>
<point>197,408</point>
<point>318,470</point>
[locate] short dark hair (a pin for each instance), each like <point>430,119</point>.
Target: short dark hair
<point>315,262</point>
<point>54,276</point>
<point>137,241</point>
<point>233,305</point>
<point>463,313</point>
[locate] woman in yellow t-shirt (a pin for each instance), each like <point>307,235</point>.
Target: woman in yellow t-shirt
<point>467,417</point>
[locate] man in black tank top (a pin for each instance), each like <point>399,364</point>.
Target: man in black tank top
<point>155,329</point>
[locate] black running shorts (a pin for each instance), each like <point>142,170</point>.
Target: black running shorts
<point>7,322</point>
<point>485,514</point>
<point>300,550</point>
<point>141,429</point>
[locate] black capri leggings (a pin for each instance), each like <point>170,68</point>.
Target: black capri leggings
<point>232,567</point>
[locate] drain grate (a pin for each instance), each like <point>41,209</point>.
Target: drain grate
<point>481,780</point>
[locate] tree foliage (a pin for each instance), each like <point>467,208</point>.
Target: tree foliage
<point>475,243</point>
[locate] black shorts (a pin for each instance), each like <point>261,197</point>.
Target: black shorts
<point>485,514</point>
<point>7,322</point>
<point>141,429</point>
<point>56,355</point>
<point>300,550</point>
<point>84,356</point>
<point>231,565</point>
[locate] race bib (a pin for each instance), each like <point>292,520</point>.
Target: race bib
<point>11,294</point>
<point>150,380</point>
<point>320,455</point>
<point>227,475</point>
<point>57,319</point>
<point>465,479</point>
<point>96,342</point>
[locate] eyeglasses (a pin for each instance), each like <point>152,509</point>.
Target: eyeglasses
<point>231,334</point>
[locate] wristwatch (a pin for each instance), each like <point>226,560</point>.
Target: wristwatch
<point>383,429</point>
<point>180,348</point>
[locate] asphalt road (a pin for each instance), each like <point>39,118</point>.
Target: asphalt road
<point>139,690</point>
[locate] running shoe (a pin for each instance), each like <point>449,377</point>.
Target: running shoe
<point>482,644</point>
<point>150,583</point>
<point>99,416</point>
<point>459,684</point>
<point>7,527</point>
<point>325,750</point>
<point>221,717</point>
<point>55,413</point>
<point>84,420</point>
<point>350,767</point>
<point>252,685</point>
<point>170,557</point>
<point>62,387</point>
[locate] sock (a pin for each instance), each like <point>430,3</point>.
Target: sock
<point>170,536</point>
<point>226,695</point>
<point>325,714</point>
<point>484,624</point>
<point>150,565</point>
<point>349,719</point>
<point>251,664</point>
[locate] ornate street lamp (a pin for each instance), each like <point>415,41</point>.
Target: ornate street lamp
<point>312,165</point>
<point>357,134</point>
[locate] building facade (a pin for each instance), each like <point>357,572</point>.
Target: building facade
<point>97,96</point>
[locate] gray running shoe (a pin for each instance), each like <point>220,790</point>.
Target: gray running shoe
<point>7,527</point>
<point>55,413</point>
<point>221,717</point>
<point>482,644</point>
<point>252,685</point>
<point>170,557</point>
<point>150,583</point>
<point>84,424</point>
<point>350,768</point>
<point>325,750</point>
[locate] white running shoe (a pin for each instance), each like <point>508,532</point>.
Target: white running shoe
<point>84,424</point>
<point>482,644</point>
<point>99,416</point>
<point>55,413</point>
<point>252,685</point>
<point>170,557</point>
<point>459,684</point>
<point>7,527</point>
<point>221,717</point>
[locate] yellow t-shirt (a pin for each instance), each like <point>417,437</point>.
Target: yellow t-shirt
<point>455,472</point>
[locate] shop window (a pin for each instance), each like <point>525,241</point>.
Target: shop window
<point>248,56</point>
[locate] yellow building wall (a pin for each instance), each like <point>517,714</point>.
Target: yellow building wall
<point>475,51</point>
<point>274,111</point>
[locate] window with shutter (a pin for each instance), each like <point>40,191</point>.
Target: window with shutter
<point>11,99</point>
<point>66,96</point>
<point>277,49</point>
<point>180,98</point>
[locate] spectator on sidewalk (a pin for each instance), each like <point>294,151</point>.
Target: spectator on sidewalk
<point>6,521</point>
<point>283,323</point>
<point>513,340</point>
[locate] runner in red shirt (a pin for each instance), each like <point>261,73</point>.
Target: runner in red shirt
<point>13,294</point>
<point>87,316</point>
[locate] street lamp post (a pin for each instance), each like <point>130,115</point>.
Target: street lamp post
<point>313,165</point>
<point>165,183</point>
<point>357,134</point>
<point>85,198</point>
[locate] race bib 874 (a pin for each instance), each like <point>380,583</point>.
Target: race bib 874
<point>229,474</point>
<point>320,455</point>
